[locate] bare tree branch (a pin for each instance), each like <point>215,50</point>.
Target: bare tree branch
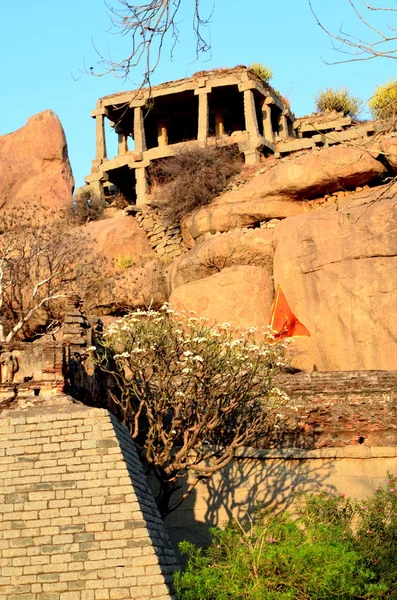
<point>380,42</point>
<point>149,26</point>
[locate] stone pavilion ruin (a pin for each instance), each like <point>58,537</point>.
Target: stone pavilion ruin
<point>223,107</point>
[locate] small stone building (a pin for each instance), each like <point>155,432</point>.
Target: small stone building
<point>223,107</point>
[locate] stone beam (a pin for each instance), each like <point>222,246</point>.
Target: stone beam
<point>139,130</point>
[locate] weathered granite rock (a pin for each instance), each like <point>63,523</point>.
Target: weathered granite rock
<point>119,237</point>
<point>253,247</point>
<point>337,269</point>
<point>310,175</point>
<point>281,189</point>
<point>224,217</point>
<point>34,167</point>
<point>240,295</point>
<point>132,288</point>
<point>389,148</point>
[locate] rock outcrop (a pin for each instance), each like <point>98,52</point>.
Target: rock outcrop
<point>240,295</point>
<point>337,269</point>
<point>116,238</point>
<point>254,247</point>
<point>35,172</point>
<point>282,188</point>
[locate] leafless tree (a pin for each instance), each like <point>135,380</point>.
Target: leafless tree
<point>149,26</point>
<point>40,265</point>
<point>376,41</point>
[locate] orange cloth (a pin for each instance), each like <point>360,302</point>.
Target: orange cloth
<point>283,321</point>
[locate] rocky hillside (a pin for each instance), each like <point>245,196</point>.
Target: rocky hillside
<point>318,222</point>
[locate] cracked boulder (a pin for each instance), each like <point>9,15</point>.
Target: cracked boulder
<point>253,247</point>
<point>337,269</point>
<point>35,172</point>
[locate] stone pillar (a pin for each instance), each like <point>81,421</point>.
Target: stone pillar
<point>162,134</point>
<point>141,186</point>
<point>139,130</point>
<point>100,137</point>
<point>283,126</point>
<point>203,115</point>
<point>219,125</point>
<point>122,143</point>
<point>251,121</point>
<point>267,122</point>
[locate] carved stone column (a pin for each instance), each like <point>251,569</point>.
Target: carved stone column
<point>141,186</point>
<point>139,130</point>
<point>219,125</point>
<point>100,137</point>
<point>267,121</point>
<point>251,121</point>
<point>122,143</point>
<point>203,114</point>
<point>162,134</point>
<point>283,126</point>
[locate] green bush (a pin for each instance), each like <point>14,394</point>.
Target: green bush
<point>338,99</point>
<point>335,548</point>
<point>383,103</point>
<point>262,71</point>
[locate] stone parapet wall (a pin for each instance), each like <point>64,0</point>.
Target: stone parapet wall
<point>78,521</point>
<point>344,408</point>
<point>271,477</point>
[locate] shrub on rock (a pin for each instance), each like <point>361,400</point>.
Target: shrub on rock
<point>383,104</point>
<point>339,100</point>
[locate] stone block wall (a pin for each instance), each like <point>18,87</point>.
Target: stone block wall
<point>77,519</point>
<point>165,239</point>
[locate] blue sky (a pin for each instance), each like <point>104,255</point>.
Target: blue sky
<point>46,44</point>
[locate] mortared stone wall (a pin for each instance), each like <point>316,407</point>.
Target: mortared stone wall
<point>77,519</point>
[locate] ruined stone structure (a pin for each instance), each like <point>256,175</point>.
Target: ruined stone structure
<point>223,107</point>
<point>78,521</point>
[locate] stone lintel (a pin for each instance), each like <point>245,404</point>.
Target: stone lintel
<point>203,90</point>
<point>99,111</point>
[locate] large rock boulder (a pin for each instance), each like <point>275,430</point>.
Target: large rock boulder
<point>122,237</point>
<point>241,296</point>
<point>337,269</point>
<point>35,172</point>
<point>136,287</point>
<point>253,247</point>
<point>219,217</point>
<point>309,175</point>
<point>282,188</point>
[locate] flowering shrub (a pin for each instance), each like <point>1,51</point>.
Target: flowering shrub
<point>191,394</point>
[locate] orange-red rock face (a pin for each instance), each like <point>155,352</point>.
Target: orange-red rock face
<point>34,166</point>
<point>338,270</point>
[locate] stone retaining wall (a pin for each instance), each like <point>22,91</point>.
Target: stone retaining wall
<point>165,239</point>
<point>77,519</point>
